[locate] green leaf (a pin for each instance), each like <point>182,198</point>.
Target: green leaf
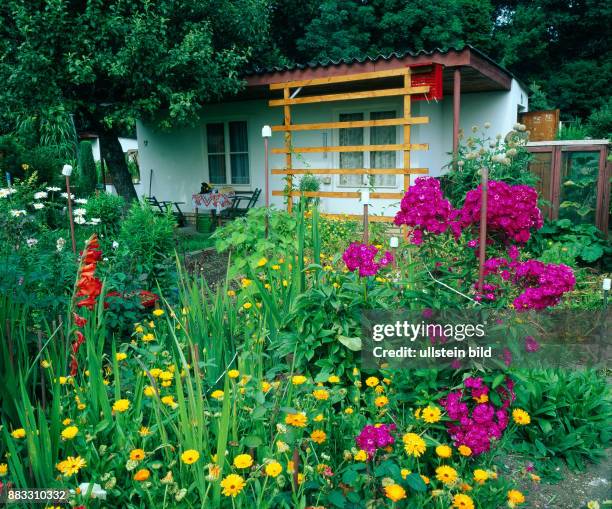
<point>416,482</point>
<point>591,253</point>
<point>252,441</point>
<point>353,344</point>
<point>336,498</point>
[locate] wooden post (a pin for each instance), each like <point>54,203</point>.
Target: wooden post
<point>456,110</point>
<point>366,224</point>
<point>482,246</point>
<point>296,467</point>
<point>288,164</point>
<point>267,170</point>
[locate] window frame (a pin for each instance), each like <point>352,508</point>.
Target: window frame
<point>367,112</point>
<point>226,153</point>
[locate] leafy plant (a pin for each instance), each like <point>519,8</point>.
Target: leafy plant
<point>109,208</point>
<point>88,177</point>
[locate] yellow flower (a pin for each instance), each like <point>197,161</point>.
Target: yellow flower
<point>320,394</point>
<point>273,469</point>
<point>232,485</point>
<point>318,418</point>
<point>137,454</point>
<point>121,356</point>
<point>348,410</point>
<point>462,501</point>
<point>158,312</point>
<point>70,432</point>
<point>144,431</point>
<point>535,477</point>
<point>142,475</point>
<point>63,380</point>
<point>521,417</point>
<point>71,465</point>
<point>3,469</point>
<point>243,461</point>
<point>45,363</point>
<point>298,379</point>
<point>262,261</point>
<point>333,379</point>
<point>404,472</point>
<point>265,386</point>
<point>155,372</point>
<point>483,398</point>
<point>218,394</point>
<point>379,389</point>
<point>139,329</point>
<point>431,414</point>
<point>480,476</point>
<point>231,293</point>
<point>246,282</point>
<point>285,283</point>
<point>298,420</point>
<point>381,401</point>
<point>592,504</point>
<point>281,446</point>
<point>414,445</point>
<point>149,391</point>
<point>464,450</point>
<point>395,492</point>
<point>444,451</point>
<point>18,433</point>
<point>361,455</point>
<point>190,456</point>
<point>515,497</point>
<point>446,474</point>
<point>372,381</point>
<point>148,337</point>
<point>318,436</point>
<point>247,305</point>
<point>121,405</point>
<point>233,373</point>
<point>168,400</point>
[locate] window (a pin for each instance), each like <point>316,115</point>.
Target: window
<point>380,135</point>
<point>228,152</point>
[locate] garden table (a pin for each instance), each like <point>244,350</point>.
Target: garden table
<point>215,201</point>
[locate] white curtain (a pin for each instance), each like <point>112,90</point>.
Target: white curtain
<point>352,136</point>
<point>215,136</point>
<point>383,135</point>
<point>239,152</point>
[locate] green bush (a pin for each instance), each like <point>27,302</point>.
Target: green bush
<point>599,123</point>
<point>109,208</point>
<point>571,414</point>
<point>88,177</point>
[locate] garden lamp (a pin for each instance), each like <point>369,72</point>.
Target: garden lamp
<point>266,134</point>
<point>365,200</point>
<point>394,244</point>
<point>67,171</point>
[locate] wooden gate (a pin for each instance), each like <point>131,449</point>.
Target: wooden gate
<point>406,120</point>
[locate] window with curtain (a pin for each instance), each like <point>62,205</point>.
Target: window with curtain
<point>228,152</point>
<point>380,135</point>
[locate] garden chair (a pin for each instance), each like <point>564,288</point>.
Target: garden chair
<point>243,201</point>
<point>163,206</point>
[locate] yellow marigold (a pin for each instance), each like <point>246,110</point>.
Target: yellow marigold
<point>218,394</point>
<point>379,389</point>
<point>168,400</point>
<point>147,338</point>
<point>142,475</point>
<point>348,410</point>
<point>66,421</point>
<point>155,372</point>
<point>243,461</point>
<point>137,454</point>
<point>231,293</point>
<point>121,405</point>
<point>3,469</point>
<point>521,417</point>
<point>190,456</point>
<point>444,451</point>
<point>233,373</point>
<point>262,261</point>
<point>298,420</point>
<point>318,436</point>
<point>232,485</point>
<point>372,381</point>
<point>361,455</point>
<point>318,418</point>
<point>462,501</point>
<point>158,312</point>
<point>381,401</point>
<point>121,356</point>
<point>166,375</point>
<point>298,379</point>
<point>515,497</point>
<point>247,305</point>
<point>275,267</point>
<point>404,472</point>
<point>149,391</point>
<point>320,394</point>
<point>18,433</point>
<point>414,445</point>
<point>480,476</point>
<point>144,431</point>
<point>395,492</point>
<point>70,432</point>
<point>273,469</point>
<point>333,379</point>
<point>464,450</point>
<point>431,414</point>
<point>63,380</point>
<point>265,386</point>
<point>71,465</point>
<point>446,474</point>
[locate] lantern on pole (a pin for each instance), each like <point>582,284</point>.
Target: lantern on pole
<point>67,171</point>
<point>266,134</point>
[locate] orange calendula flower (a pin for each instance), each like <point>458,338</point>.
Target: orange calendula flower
<point>318,436</point>
<point>395,492</point>
<point>298,420</point>
<point>232,485</point>
<point>142,475</point>
<point>190,456</point>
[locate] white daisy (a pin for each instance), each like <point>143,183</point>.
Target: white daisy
<point>17,213</point>
<point>79,220</point>
<point>79,212</point>
<point>81,201</point>
<point>40,195</point>
<point>39,206</point>
<point>7,191</point>
<point>31,242</point>
<point>53,189</point>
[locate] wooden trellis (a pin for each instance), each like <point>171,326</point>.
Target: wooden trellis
<point>406,120</point>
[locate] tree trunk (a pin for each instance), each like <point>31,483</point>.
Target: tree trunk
<point>112,153</point>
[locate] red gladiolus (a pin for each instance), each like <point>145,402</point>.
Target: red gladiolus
<point>79,321</point>
<point>148,299</point>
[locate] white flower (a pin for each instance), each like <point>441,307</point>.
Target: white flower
<point>79,220</point>
<point>17,213</point>
<point>81,201</point>
<point>59,245</point>
<point>65,195</point>
<point>53,189</point>
<point>487,125</point>
<point>511,153</point>
<point>39,206</point>
<point>40,195</point>
<point>79,212</point>
<point>95,220</point>
<point>7,192</point>
<point>96,490</point>
<point>115,244</point>
<point>31,242</point>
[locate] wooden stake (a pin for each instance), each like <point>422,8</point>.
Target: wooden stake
<point>483,227</point>
<point>366,224</point>
<point>296,467</point>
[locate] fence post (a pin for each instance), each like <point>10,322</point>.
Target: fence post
<point>482,245</point>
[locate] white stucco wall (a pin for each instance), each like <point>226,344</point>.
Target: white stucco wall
<point>177,160</point>
<point>126,144</point>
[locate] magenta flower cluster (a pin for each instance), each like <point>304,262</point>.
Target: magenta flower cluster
<point>511,210</point>
<point>425,208</point>
<point>478,426</point>
<point>363,257</point>
<point>375,437</point>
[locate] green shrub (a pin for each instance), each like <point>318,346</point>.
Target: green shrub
<point>599,123</point>
<point>88,177</point>
<point>109,208</point>
<point>11,156</point>
<point>571,415</point>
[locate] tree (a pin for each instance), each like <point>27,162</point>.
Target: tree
<point>111,62</point>
<point>88,176</point>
